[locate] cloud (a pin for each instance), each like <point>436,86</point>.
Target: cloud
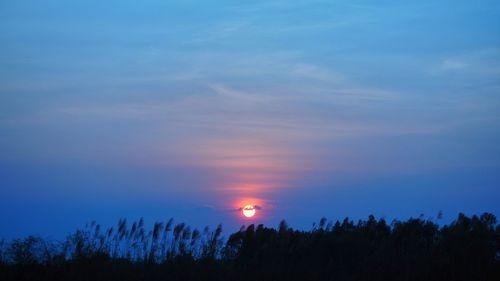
<point>481,62</point>
<point>452,64</point>
<point>257,120</point>
<point>315,72</point>
<point>257,207</point>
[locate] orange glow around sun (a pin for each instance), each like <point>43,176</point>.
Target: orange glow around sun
<point>248,211</point>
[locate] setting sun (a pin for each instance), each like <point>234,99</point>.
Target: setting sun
<point>249,211</point>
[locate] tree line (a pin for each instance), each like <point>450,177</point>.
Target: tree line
<point>468,248</point>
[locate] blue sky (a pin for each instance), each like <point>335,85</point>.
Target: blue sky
<point>189,109</point>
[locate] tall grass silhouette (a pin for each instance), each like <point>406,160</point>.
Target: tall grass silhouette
<point>416,249</point>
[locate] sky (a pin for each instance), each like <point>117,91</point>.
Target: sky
<point>193,109</point>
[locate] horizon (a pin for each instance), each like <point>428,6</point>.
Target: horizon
<point>194,110</point>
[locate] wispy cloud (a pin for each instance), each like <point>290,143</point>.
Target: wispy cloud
<point>257,142</point>
<point>452,64</point>
<point>483,62</point>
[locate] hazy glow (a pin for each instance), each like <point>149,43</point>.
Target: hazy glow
<point>248,167</point>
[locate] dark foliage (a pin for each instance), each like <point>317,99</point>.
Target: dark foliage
<point>416,249</point>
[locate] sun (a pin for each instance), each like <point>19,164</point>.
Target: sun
<point>248,211</point>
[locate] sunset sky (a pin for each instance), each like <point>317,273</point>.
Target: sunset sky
<point>194,109</point>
